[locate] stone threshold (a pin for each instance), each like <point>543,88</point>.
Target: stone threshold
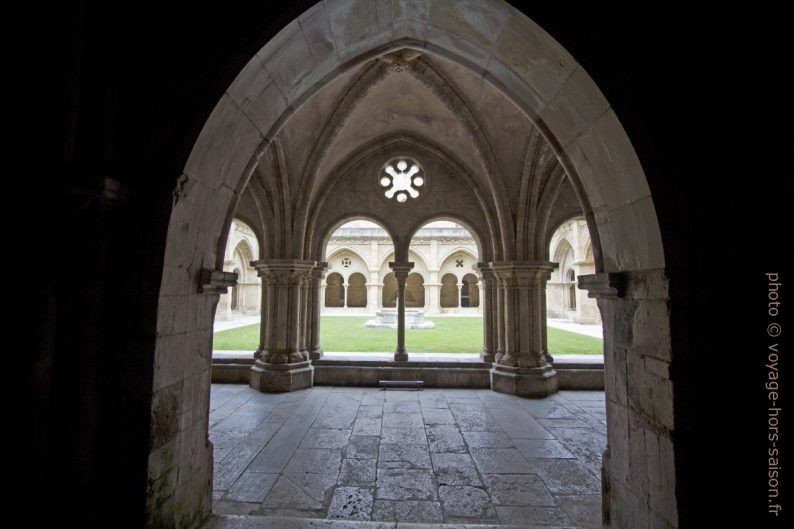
<point>228,521</point>
<point>450,370</point>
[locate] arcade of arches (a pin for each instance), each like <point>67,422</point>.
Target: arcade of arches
<point>497,130</point>
<point>401,113</point>
<point>444,255</point>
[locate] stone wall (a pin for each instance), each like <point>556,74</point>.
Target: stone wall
<point>639,474</point>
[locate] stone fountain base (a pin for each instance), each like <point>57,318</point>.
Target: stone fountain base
<point>387,319</point>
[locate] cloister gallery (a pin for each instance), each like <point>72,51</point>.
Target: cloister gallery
<point>443,280</point>
<point>189,165</point>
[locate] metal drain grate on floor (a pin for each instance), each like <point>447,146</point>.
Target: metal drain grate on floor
<point>401,384</point>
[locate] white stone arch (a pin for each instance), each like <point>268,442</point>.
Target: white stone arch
<point>344,219</point>
<point>446,266</point>
<point>237,236</point>
<point>511,53</point>
<point>475,234</point>
<point>420,263</point>
<point>360,263</point>
<point>562,249</point>
<point>458,250</point>
<point>243,248</point>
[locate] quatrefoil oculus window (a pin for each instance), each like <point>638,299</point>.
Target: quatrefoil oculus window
<point>402,179</point>
<point>346,262</point>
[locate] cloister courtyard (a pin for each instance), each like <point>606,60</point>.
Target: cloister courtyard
<point>461,335</point>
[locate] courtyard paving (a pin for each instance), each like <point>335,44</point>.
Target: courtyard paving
<point>437,455</point>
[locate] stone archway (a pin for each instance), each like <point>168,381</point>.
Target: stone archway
<point>415,291</point>
<point>531,69</point>
<point>470,292</point>
<point>334,290</point>
<point>449,291</point>
<point>356,290</point>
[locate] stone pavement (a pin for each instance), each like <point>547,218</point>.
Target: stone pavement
<point>432,456</point>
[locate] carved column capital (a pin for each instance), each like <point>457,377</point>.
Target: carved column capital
<point>318,272</point>
<point>401,270</point>
<point>522,274</point>
<point>283,272</point>
<point>485,273</point>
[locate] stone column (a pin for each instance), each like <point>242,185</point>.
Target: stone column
<point>373,290</point>
<point>317,296</point>
<point>281,366</point>
<point>499,318</point>
<point>460,295</point>
<point>262,318</point>
<point>305,307</point>
<point>345,284</point>
<point>523,369</point>
<point>432,292</point>
<point>487,281</point>
<point>401,271</point>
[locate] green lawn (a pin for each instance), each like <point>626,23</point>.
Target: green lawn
<point>451,335</point>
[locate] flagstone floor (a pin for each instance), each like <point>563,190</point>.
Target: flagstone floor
<point>432,456</point>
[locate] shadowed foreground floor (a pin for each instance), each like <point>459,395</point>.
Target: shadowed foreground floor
<point>432,456</point>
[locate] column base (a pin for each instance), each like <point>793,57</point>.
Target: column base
<point>316,353</point>
<point>280,378</point>
<point>400,355</point>
<point>533,382</point>
<point>487,356</point>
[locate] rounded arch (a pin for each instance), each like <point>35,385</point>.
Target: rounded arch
<point>417,259</point>
<point>415,290</point>
<point>389,294</point>
<point>449,291</point>
<point>451,217</point>
<point>458,250</point>
<point>357,290</point>
<point>326,235</point>
<point>346,249</point>
<point>334,290</point>
<point>470,291</point>
<point>420,146</point>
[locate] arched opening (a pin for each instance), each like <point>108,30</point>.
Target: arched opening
<point>589,147</point>
<point>235,291</point>
<point>470,292</point>
<point>389,291</point>
<point>572,289</point>
<point>334,290</point>
<point>449,291</point>
<point>570,247</point>
<point>241,304</point>
<point>357,290</point>
<point>415,291</point>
